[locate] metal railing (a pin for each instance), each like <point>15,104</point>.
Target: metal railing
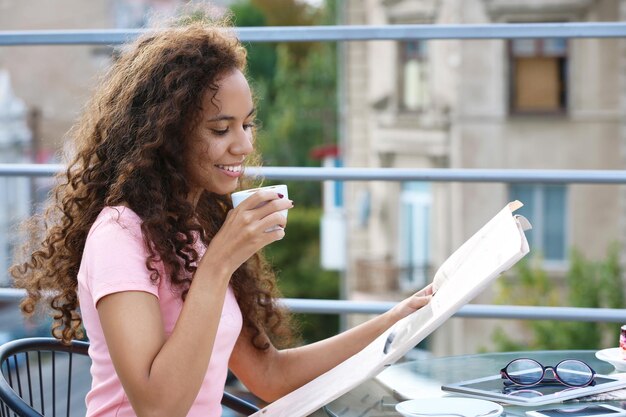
<point>484,311</point>
<point>390,32</point>
<point>389,174</point>
<point>543,176</point>
<point>338,33</point>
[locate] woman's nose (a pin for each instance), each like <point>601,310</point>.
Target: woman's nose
<point>243,142</point>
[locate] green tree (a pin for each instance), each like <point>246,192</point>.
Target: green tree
<point>262,56</point>
<point>291,13</point>
<point>296,261</point>
<point>592,284</point>
<point>295,87</point>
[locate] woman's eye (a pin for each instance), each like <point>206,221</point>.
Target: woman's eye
<point>219,132</point>
<point>248,126</point>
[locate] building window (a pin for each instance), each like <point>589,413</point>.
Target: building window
<point>413,75</point>
<point>546,209</point>
<point>414,228</point>
<point>538,81</point>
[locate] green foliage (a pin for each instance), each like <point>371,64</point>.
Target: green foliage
<point>295,88</point>
<point>304,110</point>
<point>297,265</point>
<point>295,85</point>
<point>587,284</point>
<point>261,56</point>
<point>291,13</point>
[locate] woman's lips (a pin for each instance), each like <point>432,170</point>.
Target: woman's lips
<point>230,170</point>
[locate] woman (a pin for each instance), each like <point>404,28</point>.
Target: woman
<point>142,236</point>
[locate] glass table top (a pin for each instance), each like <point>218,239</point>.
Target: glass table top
<point>423,379</point>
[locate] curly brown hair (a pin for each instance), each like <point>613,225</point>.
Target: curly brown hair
<point>129,149</point>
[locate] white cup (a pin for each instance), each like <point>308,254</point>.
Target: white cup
<point>239,196</point>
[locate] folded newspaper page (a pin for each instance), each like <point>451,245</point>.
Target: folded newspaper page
<point>496,247</point>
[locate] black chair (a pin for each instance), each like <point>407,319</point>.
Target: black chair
<point>40,376</point>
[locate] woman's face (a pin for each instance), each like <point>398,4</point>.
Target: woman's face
<point>223,138</point>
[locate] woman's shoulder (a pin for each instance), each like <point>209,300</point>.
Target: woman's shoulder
<point>115,219</point>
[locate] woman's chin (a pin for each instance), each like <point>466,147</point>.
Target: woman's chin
<point>225,189</point>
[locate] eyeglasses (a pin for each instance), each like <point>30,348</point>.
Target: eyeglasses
<point>528,372</point>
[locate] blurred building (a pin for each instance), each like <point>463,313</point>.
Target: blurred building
<point>521,104</point>
<point>413,104</point>
<point>15,141</point>
<point>44,88</point>
<point>55,81</point>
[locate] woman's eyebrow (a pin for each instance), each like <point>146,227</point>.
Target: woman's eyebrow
<point>221,117</point>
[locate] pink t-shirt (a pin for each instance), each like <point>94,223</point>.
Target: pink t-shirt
<point>114,260</point>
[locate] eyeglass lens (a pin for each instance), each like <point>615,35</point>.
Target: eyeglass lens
<point>528,372</point>
<point>524,371</point>
<point>574,372</point>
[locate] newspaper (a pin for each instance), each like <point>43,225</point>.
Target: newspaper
<point>496,247</point>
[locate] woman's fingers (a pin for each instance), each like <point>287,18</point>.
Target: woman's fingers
<point>273,220</point>
<point>258,199</point>
<point>253,224</point>
<point>427,290</point>
<point>275,233</point>
<point>413,303</point>
<point>418,301</point>
<point>421,298</point>
<point>262,204</point>
<point>263,207</point>
<point>274,206</point>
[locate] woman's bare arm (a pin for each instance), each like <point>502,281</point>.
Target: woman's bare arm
<point>162,375</point>
<point>273,373</point>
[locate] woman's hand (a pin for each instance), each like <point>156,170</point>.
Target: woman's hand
<point>288,369</point>
<point>412,303</point>
<point>245,230</point>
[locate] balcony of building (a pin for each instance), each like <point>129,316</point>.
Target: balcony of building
<point>435,161</point>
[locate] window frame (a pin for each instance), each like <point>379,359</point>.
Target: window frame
<point>403,58</point>
<point>537,220</point>
<point>412,276</point>
<point>563,61</point>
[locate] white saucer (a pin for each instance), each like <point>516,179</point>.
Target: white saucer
<point>449,407</point>
<point>614,357</point>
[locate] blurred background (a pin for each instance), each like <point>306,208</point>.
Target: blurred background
<point>527,104</point>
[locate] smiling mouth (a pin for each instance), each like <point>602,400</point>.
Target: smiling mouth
<point>230,168</point>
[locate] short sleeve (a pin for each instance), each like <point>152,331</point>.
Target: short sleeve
<point>115,255</point>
